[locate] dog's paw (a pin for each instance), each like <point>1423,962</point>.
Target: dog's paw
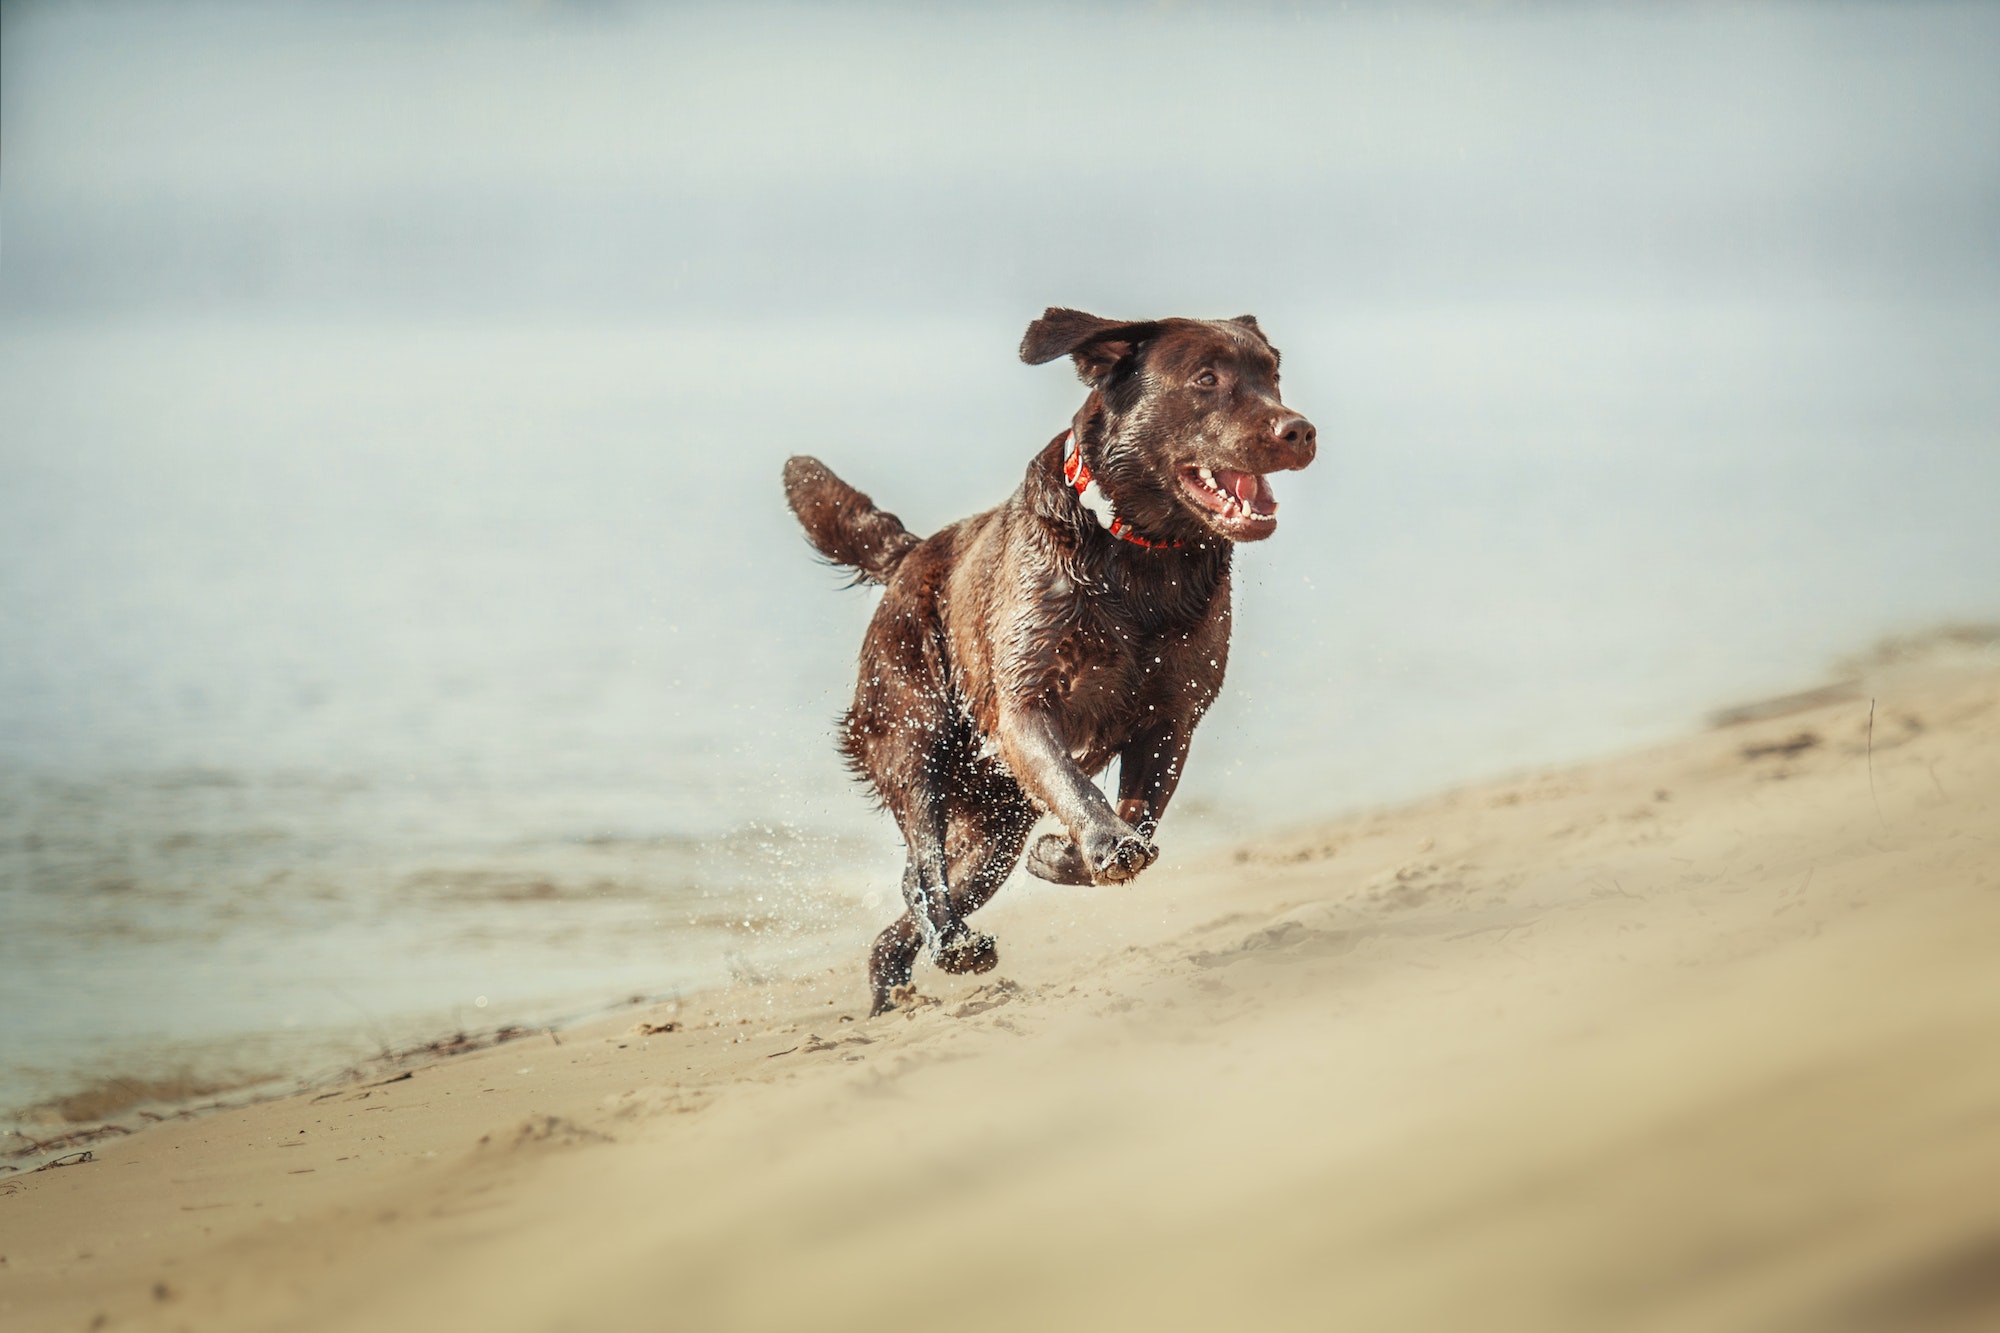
<point>906,1000</point>
<point>967,951</point>
<point>1116,856</point>
<point>1056,859</point>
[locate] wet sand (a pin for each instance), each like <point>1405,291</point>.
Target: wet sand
<point>1702,1037</point>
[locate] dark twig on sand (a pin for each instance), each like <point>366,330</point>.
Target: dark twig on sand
<point>1871,765</point>
<point>70,1159</point>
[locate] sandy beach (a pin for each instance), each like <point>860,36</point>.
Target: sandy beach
<point>432,895</point>
<point>1702,1037</point>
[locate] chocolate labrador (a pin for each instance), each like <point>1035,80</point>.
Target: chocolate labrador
<point>1016,652</point>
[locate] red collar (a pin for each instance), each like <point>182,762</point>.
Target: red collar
<point>1093,498</point>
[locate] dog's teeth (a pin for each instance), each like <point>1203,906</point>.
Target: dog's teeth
<point>1205,475</point>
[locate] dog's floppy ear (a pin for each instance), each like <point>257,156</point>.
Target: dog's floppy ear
<point>1250,322</point>
<point>1096,344</point>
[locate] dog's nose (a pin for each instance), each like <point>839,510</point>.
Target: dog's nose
<point>1298,437</point>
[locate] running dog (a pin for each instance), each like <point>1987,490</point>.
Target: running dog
<point>1086,617</point>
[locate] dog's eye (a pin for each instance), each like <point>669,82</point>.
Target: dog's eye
<point>1206,380</point>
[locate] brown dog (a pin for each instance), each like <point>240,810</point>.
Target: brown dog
<point>1017,651</point>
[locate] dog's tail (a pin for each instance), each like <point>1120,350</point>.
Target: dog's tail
<point>844,524</point>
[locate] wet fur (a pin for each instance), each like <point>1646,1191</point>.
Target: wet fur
<point>1017,652</point>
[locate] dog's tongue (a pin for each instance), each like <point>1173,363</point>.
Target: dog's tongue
<point>1250,489</point>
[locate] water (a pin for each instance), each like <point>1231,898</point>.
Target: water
<point>400,626</point>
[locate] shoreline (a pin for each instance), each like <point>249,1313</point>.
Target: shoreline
<point>224,1093</point>
<point>1694,1036</point>
<point>66,1138</point>
<point>228,1088</point>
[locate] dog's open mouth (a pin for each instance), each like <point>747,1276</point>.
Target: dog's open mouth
<point>1243,500</point>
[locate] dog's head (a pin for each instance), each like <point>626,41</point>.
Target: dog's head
<point>1189,421</point>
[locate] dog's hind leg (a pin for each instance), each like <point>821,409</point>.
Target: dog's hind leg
<point>932,920</point>
<point>984,841</point>
<point>893,956</point>
<point>985,837</point>
<point>926,879</point>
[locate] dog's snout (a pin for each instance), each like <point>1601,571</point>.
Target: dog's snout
<point>1297,437</point>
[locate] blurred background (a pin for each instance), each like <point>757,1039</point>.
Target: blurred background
<point>400,625</point>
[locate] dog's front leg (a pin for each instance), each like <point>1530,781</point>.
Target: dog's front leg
<point>1032,744</point>
<point>1149,769</point>
<point>954,946</point>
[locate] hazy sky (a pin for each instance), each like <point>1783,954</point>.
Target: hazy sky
<point>682,157</point>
